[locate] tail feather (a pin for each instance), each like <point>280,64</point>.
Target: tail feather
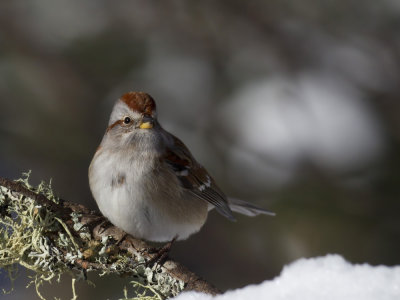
<point>247,208</point>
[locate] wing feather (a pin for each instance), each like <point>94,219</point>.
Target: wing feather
<point>195,178</point>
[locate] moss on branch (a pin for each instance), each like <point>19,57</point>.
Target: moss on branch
<point>52,237</point>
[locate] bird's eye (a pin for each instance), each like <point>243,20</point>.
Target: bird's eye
<point>127,120</point>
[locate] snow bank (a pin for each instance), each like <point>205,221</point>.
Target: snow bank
<point>322,278</point>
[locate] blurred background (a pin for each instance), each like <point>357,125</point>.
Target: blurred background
<point>291,105</point>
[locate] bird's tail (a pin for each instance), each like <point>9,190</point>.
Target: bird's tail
<point>247,208</point>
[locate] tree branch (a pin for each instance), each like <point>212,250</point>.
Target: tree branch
<point>81,239</point>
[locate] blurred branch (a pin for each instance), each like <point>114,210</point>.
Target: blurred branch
<point>52,236</point>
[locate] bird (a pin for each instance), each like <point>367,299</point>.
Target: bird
<point>146,181</point>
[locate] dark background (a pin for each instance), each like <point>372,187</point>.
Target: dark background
<point>293,105</point>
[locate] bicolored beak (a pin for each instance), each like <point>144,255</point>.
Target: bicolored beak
<point>147,123</point>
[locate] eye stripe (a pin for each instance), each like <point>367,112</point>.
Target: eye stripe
<point>119,122</point>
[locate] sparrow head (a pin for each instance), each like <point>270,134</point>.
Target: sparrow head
<point>140,103</point>
<point>133,111</point>
<point>133,117</point>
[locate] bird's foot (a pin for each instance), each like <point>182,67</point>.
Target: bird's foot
<point>160,254</point>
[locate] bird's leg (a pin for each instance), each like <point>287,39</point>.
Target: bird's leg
<point>98,221</point>
<point>121,239</point>
<point>103,228</point>
<point>161,253</point>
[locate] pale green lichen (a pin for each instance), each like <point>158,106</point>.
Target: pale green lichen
<point>34,237</point>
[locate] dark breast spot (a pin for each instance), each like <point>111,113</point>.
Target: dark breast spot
<point>146,213</point>
<point>118,181</point>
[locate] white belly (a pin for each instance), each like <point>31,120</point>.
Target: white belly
<point>145,202</point>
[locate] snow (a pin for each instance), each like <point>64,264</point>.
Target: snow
<point>329,277</point>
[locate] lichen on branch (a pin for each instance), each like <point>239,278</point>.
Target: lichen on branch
<point>52,237</point>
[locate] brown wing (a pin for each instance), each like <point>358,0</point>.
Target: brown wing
<point>195,178</point>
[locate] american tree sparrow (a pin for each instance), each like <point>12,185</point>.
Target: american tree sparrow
<point>146,181</point>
